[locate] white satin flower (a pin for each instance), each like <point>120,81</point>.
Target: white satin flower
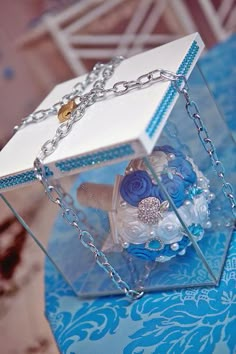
<point>158,161</point>
<point>130,228</point>
<point>201,210</point>
<point>187,213</point>
<point>169,229</point>
<point>202,181</point>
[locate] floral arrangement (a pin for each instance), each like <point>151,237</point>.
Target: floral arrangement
<point>146,221</point>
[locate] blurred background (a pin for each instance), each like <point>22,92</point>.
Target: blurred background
<point>42,43</point>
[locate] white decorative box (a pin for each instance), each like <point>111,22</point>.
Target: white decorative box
<point>148,207</point>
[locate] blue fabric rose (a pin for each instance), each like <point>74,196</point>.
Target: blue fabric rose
<point>141,252</point>
<point>169,150</point>
<point>155,192</point>
<point>185,168</point>
<point>175,188</point>
<point>135,187</point>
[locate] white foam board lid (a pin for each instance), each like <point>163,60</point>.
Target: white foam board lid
<point>121,127</point>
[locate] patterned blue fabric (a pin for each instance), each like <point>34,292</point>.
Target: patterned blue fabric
<point>188,321</point>
<point>221,78</point>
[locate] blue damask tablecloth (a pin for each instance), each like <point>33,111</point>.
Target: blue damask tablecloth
<point>188,321</point>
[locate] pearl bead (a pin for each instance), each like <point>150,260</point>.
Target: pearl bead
<point>152,233</point>
<point>174,246</point>
<point>171,156</point>
<point>125,245</point>
<point>201,182</point>
<point>187,202</point>
<point>169,227</point>
<point>208,225</point>
<point>228,223</point>
<point>129,169</point>
<point>205,191</point>
<point>182,252</point>
<point>123,203</point>
<point>211,196</point>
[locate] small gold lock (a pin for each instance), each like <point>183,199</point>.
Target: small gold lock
<point>65,111</point>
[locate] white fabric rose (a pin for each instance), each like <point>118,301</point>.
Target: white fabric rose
<point>187,213</point>
<point>201,210</point>
<point>202,181</point>
<point>158,161</point>
<point>130,228</point>
<point>169,229</point>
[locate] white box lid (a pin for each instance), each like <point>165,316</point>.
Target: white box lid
<point>123,127</point>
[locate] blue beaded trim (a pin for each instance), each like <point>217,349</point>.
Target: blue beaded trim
<point>121,151</point>
<point>95,159</point>
<point>21,178</point>
<point>68,165</point>
<point>171,92</point>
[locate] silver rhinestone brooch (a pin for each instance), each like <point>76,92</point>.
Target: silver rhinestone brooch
<point>150,210</point>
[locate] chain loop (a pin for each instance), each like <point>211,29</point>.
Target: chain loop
<point>168,75</point>
<point>120,87</point>
<point>144,79</point>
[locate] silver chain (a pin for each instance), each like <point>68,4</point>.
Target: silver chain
<point>74,217</point>
<point>99,75</point>
<point>97,93</point>
<point>77,90</point>
<point>55,193</point>
<point>193,112</point>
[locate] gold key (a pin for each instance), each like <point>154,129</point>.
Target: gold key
<point>65,111</point>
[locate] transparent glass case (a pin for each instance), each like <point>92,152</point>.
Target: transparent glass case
<point>161,220</point>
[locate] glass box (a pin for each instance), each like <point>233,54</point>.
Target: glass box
<point>149,202</point>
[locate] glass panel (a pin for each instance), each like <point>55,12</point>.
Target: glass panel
<point>142,236</point>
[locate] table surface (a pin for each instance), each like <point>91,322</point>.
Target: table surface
<point>186,321</point>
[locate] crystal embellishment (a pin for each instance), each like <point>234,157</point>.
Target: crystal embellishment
<point>155,244</point>
<point>150,210</point>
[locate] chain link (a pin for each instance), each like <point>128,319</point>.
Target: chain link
<point>99,75</point>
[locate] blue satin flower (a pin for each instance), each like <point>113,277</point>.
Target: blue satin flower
<point>169,150</point>
<point>185,168</point>
<point>155,192</point>
<point>135,187</point>
<point>141,252</point>
<point>175,188</point>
